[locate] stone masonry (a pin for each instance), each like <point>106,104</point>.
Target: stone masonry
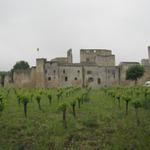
<point>96,69</point>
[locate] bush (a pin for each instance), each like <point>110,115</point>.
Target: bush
<point>90,122</point>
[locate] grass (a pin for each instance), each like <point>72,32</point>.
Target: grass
<point>99,124</point>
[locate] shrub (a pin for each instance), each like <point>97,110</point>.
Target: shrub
<point>90,122</point>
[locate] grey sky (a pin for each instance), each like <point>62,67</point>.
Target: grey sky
<point>57,25</point>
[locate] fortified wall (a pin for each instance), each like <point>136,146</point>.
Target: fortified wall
<point>96,69</point>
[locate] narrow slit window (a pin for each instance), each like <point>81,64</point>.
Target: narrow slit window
<point>66,79</point>
<point>99,81</point>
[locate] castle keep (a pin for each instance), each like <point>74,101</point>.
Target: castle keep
<point>96,69</point>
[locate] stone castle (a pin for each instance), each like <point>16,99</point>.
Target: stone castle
<point>96,69</point>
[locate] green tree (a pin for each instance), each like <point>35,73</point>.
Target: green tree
<point>134,73</point>
<point>20,65</point>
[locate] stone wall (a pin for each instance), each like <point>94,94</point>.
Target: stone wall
<point>105,60</point>
<point>70,75</point>
<point>8,81</point>
<point>146,76</point>
<point>149,54</point>
<point>123,68</point>
<point>98,57</point>
<point>33,76</point>
<point>97,69</point>
<point>40,72</point>
<point>97,77</point>
<point>51,74</point>
<point>145,62</point>
<point>22,78</point>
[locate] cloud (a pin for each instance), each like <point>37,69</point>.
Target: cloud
<point>57,25</point>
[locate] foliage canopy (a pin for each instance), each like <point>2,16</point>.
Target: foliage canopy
<point>20,65</point>
<point>135,72</point>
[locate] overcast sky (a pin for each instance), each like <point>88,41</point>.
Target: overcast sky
<point>54,26</point>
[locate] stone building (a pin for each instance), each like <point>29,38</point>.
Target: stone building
<point>96,69</point>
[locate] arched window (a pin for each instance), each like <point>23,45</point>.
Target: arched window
<point>66,79</point>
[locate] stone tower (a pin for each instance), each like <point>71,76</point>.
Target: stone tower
<point>100,57</point>
<point>69,56</point>
<point>40,72</point>
<point>149,54</point>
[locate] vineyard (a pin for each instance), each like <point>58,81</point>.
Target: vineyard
<point>75,119</point>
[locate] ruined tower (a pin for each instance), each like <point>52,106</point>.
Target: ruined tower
<point>40,72</point>
<point>149,54</point>
<point>100,57</point>
<point>69,56</point>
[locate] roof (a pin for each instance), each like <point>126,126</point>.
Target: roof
<point>130,63</point>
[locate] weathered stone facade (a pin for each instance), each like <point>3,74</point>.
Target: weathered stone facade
<point>99,57</point>
<point>96,69</point>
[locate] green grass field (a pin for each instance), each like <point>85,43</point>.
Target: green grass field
<point>99,125</point>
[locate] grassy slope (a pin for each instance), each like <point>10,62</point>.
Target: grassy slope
<point>99,124</point>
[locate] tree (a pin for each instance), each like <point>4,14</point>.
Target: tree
<point>20,65</point>
<point>134,73</point>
